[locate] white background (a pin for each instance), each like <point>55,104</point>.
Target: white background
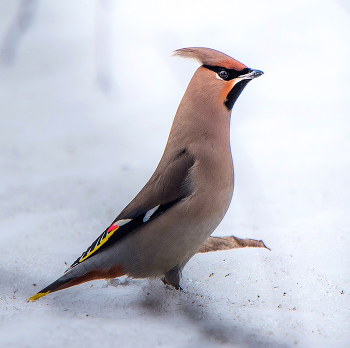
<point>88,91</point>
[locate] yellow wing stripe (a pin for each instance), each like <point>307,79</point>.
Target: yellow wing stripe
<point>104,240</point>
<point>110,232</point>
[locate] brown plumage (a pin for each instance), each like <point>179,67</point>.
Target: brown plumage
<point>209,57</point>
<point>188,194</point>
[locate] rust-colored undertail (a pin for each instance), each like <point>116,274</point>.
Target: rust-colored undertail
<point>65,282</point>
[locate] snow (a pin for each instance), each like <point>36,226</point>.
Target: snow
<point>88,92</point>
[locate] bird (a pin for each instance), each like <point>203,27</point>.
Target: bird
<point>188,194</point>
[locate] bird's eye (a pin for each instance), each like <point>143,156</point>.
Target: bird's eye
<point>223,74</point>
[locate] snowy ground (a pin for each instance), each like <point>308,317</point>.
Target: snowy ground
<point>87,93</point>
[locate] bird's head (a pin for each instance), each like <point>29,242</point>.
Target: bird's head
<point>220,76</point>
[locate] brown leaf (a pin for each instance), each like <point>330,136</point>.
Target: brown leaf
<point>228,243</point>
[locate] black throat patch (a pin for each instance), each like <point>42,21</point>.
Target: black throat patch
<point>231,74</point>
<point>235,92</point>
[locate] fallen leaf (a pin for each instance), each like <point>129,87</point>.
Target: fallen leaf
<point>228,243</point>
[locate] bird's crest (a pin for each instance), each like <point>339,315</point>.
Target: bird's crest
<point>208,56</point>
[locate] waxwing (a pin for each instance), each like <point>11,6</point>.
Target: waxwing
<point>188,194</point>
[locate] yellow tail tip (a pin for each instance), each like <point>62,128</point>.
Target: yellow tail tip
<point>38,295</point>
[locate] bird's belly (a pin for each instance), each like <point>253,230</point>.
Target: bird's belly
<point>169,240</point>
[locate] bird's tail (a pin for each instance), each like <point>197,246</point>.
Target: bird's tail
<point>59,284</point>
<point>68,280</point>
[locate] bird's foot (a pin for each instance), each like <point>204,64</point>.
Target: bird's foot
<point>172,277</point>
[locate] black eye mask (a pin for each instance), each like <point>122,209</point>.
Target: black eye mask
<point>227,74</point>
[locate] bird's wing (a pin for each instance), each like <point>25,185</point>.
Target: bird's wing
<point>170,183</point>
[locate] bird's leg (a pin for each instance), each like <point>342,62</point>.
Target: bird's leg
<point>172,277</point>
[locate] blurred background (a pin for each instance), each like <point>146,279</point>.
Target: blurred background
<point>88,91</point>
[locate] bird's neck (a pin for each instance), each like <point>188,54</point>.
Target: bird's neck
<point>201,117</point>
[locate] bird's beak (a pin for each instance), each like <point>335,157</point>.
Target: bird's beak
<point>251,75</point>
